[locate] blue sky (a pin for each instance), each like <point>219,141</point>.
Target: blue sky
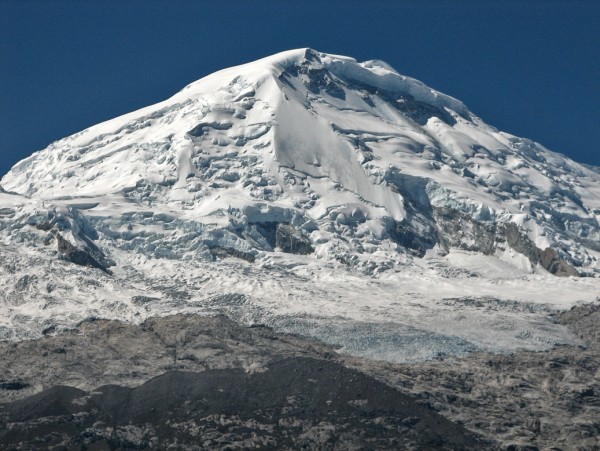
<point>531,68</point>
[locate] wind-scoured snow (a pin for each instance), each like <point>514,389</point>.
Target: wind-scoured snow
<point>313,193</point>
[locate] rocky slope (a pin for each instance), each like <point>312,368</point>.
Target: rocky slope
<point>187,381</point>
<point>525,400</point>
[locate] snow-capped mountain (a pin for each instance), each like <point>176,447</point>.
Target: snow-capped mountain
<point>312,192</point>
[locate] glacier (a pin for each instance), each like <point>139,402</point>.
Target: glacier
<point>312,193</point>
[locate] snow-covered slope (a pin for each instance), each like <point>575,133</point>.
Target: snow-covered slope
<point>302,186</point>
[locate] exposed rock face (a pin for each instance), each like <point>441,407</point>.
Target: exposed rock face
<point>547,258</point>
<point>80,249</point>
<point>72,254</point>
<point>459,230</point>
<point>556,265</point>
<point>223,252</point>
<point>585,321</point>
<point>290,240</point>
<point>520,243</point>
<point>285,237</point>
<point>414,238</point>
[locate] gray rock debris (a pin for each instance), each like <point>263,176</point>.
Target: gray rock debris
<point>526,400</point>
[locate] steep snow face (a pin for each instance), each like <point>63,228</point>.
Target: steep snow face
<point>310,175</point>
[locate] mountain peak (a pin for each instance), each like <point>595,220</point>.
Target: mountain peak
<point>321,141</point>
<point>295,187</point>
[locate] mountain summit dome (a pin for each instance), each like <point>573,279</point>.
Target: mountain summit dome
<point>264,179</point>
<point>314,139</point>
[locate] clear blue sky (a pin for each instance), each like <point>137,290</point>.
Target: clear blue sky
<point>531,68</point>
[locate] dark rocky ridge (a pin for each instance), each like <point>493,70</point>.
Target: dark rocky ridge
<point>223,252</point>
<point>525,400</point>
<point>81,257</point>
<point>205,383</point>
<point>294,403</point>
<point>285,237</point>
